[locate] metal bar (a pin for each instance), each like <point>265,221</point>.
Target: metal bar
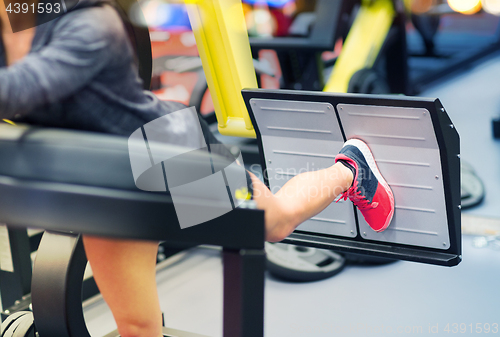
<point>15,275</point>
<point>244,293</point>
<point>58,203</point>
<point>374,249</point>
<point>397,57</point>
<point>363,43</point>
<point>222,40</point>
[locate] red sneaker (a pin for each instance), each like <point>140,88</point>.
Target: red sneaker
<point>369,191</point>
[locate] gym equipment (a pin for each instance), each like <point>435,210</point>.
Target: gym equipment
<point>367,81</point>
<point>88,187</point>
<point>302,264</point>
<point>20,324</point>
<point>446,51</point>
<point>362,45</point>
<point>85,196</point>
<point>219,24</point>
<point>104,201</point>
<point>372,35</point>
<point>495,123</point>
<point>15,268</point>
<point>415,145</point>
<point>310,34</point>
<point>472,188</point>
<point>377,30</point>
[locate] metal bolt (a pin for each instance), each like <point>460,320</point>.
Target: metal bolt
<point>352,232</point>
<point>451,126</point>
<point>7,311</point>
<point>270,161</point>
<point>459,206</point>
<point>341,108</point>
<point>364,233</point>
<point>437,177</point>
<point>458,156</point>
<point>444,244</point>
<point>329,108</point>
<point>424,112</point>
<point>442,109</point>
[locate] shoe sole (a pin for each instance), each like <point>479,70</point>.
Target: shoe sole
<point>370,160</point>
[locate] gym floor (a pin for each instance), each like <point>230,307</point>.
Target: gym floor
<point>401,297</point>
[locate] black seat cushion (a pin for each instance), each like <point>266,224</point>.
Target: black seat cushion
<point>66,156</point>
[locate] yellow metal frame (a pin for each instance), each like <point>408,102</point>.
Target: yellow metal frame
<point>363,43</point>
<point>222,39</point>
<point>8,121</point>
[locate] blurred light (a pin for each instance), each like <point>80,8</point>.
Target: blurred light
<point>260,22</point>
<point>188,39</point>
<point>491,6</point>
<point>290,8</point>
<point>272,3</point>
<point>465,6</point>
<point>159,36</point>
<point>421,6</point>
<point>156,13</point>
<point>149,13</point>
<point>159,14</point>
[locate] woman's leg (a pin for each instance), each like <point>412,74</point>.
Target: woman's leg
<point>125,272</point>
<point>307,194</point>
<point>301,198</point>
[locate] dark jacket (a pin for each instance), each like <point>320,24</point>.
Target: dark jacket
<point>80,74</point>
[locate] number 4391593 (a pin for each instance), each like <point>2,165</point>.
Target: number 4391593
<point>471,328</point>
<point>41,7</point>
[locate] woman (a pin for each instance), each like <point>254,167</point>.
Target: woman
<point>77,71</point>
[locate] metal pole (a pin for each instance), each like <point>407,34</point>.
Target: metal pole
<point>244,292</point>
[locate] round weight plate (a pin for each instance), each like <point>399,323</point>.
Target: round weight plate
<point>367,81</point>
<point>471,186</point>
<point>26,327</point>
<point>302,264</point>
<point>11,322</point>
<point>11,330</point>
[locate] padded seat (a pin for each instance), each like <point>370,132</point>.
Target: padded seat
<point>67,180</point>
<point>87,158</point>
<point>66,156</point>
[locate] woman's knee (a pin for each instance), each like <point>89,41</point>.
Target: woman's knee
<point>137,326</point>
